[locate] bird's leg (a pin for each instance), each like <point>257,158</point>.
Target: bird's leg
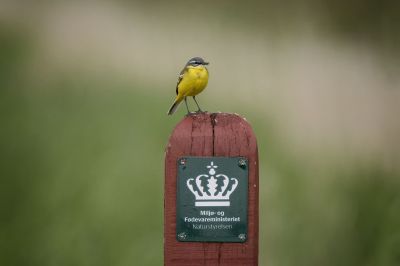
<point>187,108</point>
<point>199,110</point>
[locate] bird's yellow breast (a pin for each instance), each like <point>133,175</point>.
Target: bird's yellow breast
<point>193,81</point>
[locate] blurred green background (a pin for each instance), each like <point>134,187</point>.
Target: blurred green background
<point>84,91</point>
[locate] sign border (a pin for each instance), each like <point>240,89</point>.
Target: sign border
<point>185,235</point>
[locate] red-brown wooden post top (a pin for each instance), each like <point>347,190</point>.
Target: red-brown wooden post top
<point>210,134</point>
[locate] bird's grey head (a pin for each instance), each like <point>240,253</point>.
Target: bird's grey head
<point>196,61</point>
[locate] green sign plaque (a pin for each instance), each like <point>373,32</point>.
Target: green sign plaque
<point>211,204</point>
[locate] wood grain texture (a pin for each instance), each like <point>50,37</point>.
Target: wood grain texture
<point>205,134</point>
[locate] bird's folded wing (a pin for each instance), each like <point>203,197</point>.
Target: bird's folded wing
<point>180,78</point>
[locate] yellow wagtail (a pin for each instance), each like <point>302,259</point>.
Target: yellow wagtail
<point>192,80</point>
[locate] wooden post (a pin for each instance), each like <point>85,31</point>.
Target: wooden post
<point>210,134</point>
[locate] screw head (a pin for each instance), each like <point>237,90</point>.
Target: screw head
<point>182,161</point>
<point>242,237</point>
<point>182,236</point>
<point>242,162</point>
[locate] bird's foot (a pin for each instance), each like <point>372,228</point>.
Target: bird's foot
<point>191,113</point>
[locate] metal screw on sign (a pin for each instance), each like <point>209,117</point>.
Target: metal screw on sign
<point>182,161</point>
<point>242,237</point>
<point>242,163</point>
<point>182,236</point>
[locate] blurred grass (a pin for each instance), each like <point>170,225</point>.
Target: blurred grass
<point>81,169</point>
<point>82,184</point>
<point>82,161</point>
<point>82,177</point>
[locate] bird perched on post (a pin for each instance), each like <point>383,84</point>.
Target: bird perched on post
<point>192,80</point>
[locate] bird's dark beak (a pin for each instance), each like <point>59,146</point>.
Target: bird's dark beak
<point>205,63</point>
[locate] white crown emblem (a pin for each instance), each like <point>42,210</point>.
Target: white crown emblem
<point>212,189</point>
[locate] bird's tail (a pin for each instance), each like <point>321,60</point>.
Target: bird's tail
<point>175,105</point>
